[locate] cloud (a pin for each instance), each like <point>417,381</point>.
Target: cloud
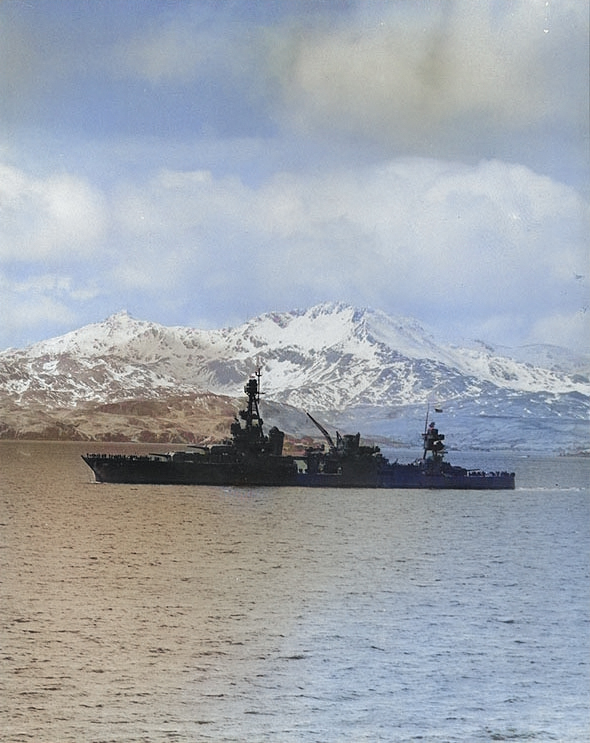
<point>48,219</point>
<point>411,76</point>
<point>161,55</point>
<point>403,75</point>
<point>36,303</point>
<point>458,80</point>
<point>493,250</point>
<point>217,160</point>
<point>441,240</point>
<point>571,330</point>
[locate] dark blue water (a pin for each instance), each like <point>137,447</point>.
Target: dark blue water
<point>149,613</point>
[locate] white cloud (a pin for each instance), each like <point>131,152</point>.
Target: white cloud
<point>389,71</point>
<point>571,330</point>
<point>441,240</point>
<point>453,80</point>
<point>183,48</point>
<point>493,250</point>
<point>42,304</point>
<point>172,52</point>
<point>33,303</point>
<point>340,97</point>
<point>48,218</point>
<point>411,76</point>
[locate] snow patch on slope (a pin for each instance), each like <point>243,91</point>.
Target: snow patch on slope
<point>329,357</point>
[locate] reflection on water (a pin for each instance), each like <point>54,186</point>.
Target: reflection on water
<point>162,613</point>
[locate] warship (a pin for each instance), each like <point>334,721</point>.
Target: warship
<point>253,458</point>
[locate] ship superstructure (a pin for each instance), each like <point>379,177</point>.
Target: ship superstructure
<point>252,457</point>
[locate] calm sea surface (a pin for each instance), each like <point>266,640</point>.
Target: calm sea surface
<point>163,613</point>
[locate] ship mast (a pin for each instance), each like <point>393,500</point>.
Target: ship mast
<point>252,413</point>
<point>433,441</point>
<point>424,435</point>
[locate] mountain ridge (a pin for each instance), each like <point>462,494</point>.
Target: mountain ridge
<point>353,365</point>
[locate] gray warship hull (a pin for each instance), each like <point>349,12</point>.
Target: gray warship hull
<point>251,458</point>
<point>287,471</point>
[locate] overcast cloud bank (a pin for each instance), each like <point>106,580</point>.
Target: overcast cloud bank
<point>201,163</point>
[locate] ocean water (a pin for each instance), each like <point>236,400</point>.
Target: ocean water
<point>154,613</point>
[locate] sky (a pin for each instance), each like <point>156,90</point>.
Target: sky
<point>201,162</point>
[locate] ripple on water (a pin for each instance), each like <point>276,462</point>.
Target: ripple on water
<point>165,613</point>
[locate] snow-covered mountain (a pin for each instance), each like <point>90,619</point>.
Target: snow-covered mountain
<point>354,367</point>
